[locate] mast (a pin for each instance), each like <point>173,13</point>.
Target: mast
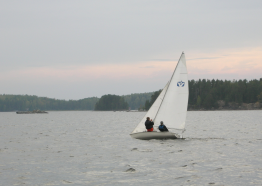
<point>168,86</point>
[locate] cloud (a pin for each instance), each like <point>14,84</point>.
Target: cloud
<point>241,63</point>
<point>91,72</point>
<point>162,60</point>
<point>147,66</point>
<point>238,63</point>
<point>204,58</point>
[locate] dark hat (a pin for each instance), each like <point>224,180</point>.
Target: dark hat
<point>161,122</point>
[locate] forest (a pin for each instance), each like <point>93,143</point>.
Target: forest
<point>136,101</point>
<point>206,93</point>
<point>150,102</point>
<point>27,102</point>
<point>111,102</point>
<point>203,93</point>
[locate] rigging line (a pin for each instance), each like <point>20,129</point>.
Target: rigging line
<point>152,106</point>
<point>168,86</point>
<point>161,100</point>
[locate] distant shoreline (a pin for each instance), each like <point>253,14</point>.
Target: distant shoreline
<point>229,106</point>
<point>143,111</point>
<point>223,109</point>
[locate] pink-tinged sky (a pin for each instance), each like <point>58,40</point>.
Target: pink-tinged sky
<point>228,64</point>
<point>245,63</point>
<point>74,50</point>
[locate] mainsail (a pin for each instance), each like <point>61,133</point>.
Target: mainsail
<point>171,105</point>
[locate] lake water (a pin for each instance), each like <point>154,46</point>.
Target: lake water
<point>94,148</point>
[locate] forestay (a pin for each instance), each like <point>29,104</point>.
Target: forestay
<point>171,105</point>
<point>152,111</point>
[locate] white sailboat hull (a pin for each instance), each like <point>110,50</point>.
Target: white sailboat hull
<point>154,135</point>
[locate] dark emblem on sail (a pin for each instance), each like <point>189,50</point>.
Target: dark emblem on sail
<point>180,84</point>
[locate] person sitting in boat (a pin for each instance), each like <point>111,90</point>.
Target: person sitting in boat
<point>162,127</point>
<point>149,124</point>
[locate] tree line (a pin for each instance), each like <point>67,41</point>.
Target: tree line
<point>111,102</point>
<point>206,93</point>
<point>28,102</point>
<point>137,101</point>
<point>125,102</point>
<point>203,93</point>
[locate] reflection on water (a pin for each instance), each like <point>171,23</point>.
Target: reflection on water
<point>94,148</point>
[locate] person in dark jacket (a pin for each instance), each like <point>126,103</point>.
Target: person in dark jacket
<point>162,127</point>
<point>149,124</point>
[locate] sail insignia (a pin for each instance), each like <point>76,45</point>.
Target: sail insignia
<point>180,84</point>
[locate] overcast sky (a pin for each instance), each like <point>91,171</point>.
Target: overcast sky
<point>77,49</point>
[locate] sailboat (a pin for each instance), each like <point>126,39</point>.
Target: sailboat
<point>169,107</point>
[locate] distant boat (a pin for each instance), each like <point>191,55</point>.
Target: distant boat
<point>170,107</point>
<point>32,112</point>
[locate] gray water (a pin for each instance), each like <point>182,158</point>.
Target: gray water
<point>94,148</point>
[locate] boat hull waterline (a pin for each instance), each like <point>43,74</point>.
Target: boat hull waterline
<point>154,135</point>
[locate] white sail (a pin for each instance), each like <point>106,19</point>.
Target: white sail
<point>173,108</point>
<point>151,112</point>
<point>171,105</point>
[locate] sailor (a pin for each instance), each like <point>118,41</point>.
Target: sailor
<point>149,124</point>
<point>162,127</point>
